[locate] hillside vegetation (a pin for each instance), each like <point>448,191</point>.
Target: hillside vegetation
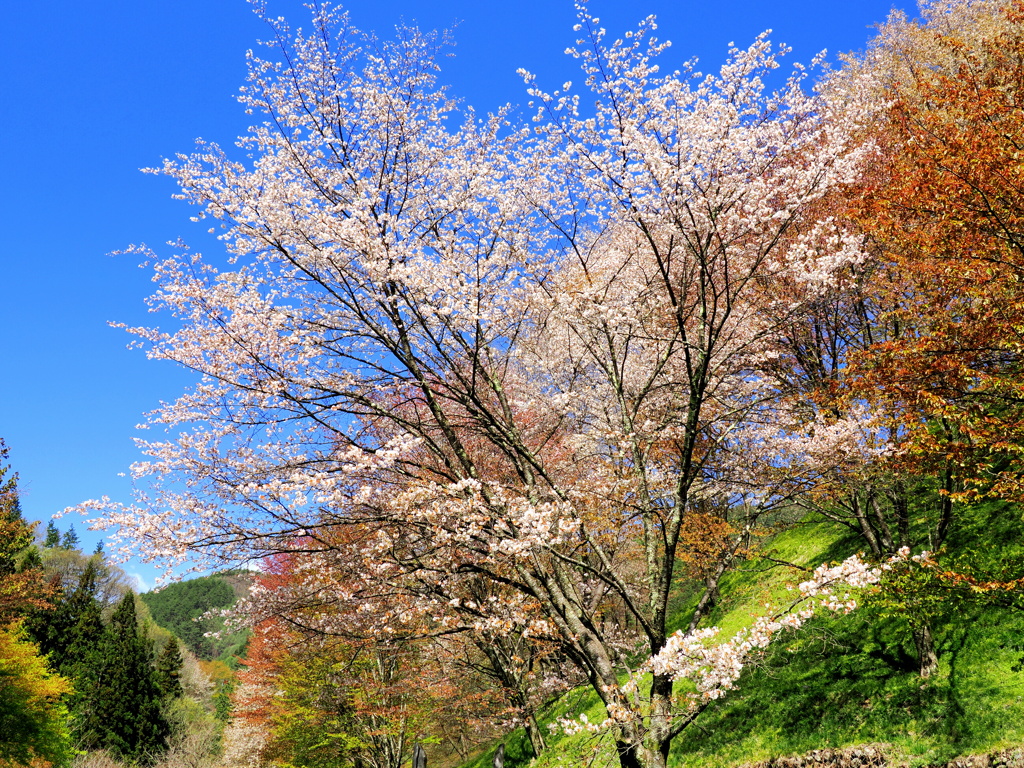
<point>848,680</point>
<point>686,417</point>
<point>192,609</point>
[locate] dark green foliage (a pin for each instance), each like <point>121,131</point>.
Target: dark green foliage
<point>70,539</point>
<point>86,640</point>
<point>116,703</point>
<point>222,699</point>
<point>178,608</point>
<point>52,535</point>
<point>55,630</point>
<point>118,706</point>
<point>78,581</point>
<point>86,666</point>
<point>168,670</point>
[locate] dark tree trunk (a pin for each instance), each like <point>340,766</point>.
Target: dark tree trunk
<point>628,757</point>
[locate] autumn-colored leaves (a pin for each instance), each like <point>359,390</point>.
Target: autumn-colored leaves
<point>947,216</point>
<point>33,715</point>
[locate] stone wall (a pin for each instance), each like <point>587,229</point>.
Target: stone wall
<point>876,756</point>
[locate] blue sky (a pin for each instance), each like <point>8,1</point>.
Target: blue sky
<point>91,92</point>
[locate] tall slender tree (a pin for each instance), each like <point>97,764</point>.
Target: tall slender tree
<point>120,702</point>
<point>168,670</point>
<point>52,538</point>
<point>70,538</point>
<point>85,663</point>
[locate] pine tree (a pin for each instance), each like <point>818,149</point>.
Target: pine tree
<point>168,670</point>
<point>136,729</point>
<point>52,536</point>
<point>70,539</point>
<point>85,663</point>
<point>55,630</point>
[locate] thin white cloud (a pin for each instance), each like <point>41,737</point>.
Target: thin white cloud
<point>140,583</point>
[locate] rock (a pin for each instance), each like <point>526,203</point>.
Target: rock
<point>874,756</point>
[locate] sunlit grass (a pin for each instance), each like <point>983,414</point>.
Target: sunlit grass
<point>840,681</point>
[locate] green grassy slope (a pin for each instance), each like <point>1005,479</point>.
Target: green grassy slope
<point>848,680</point>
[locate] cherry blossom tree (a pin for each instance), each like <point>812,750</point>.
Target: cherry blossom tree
<point>497,377</point>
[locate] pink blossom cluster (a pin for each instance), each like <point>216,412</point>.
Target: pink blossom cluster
<point>714,669</point>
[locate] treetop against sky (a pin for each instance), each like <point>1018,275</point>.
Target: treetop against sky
<point>95,92</point>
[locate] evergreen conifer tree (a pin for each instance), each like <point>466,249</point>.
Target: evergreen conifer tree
<point>168,670</point>
<point>55,630</point>
<point>85,663</point>
<point>70,539</point>
<point>128,703</point>
<point>52,535</point>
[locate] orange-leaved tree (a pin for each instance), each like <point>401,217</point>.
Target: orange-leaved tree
<point>948,212</point>
<point>939,363</point>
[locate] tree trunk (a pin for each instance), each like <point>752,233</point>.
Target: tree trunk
<point>924,643</point>
<point>710,596</point>
<point>635,756</point>
<point>535,734</point>
<point>642,756</point>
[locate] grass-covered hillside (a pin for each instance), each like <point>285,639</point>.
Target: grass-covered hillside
<point>853,679</point>
<point>181,607</point>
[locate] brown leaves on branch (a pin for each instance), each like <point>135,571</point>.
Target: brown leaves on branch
<point>22,586</point>
<point>946,208</point>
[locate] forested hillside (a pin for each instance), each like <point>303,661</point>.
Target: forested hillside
<point>194,611</point>
<point>85,674</point>
<point>677,423</point>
